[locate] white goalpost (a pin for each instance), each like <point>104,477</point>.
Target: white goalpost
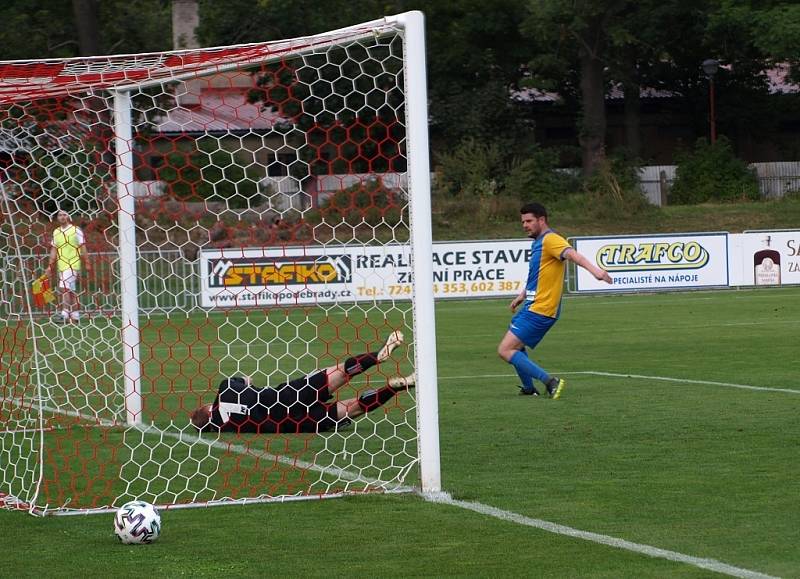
<point>257,211</point>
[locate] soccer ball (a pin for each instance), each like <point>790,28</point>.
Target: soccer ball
<point>137,522</point>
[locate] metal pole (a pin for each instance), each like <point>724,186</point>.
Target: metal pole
<point>712,117</point>
<point>422,249</point>
<point>129,281</point>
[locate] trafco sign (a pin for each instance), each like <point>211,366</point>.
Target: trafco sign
<point>655,262</point>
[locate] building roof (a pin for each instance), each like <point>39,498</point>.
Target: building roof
<point>777,83</point>
<point>216,110</point>
<point>47,135</point>
<point>778,80</point>
<point>614,93</point>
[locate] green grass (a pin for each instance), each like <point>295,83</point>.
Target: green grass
<point>183,358</point>
<point>469,218</point>
<point>708,470</point>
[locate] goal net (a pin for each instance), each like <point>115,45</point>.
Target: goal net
<point>255,211</point>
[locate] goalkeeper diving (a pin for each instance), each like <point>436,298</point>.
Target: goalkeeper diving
<point>304,404</point>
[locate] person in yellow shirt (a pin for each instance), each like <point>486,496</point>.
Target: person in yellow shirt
<point>67,259</point>
<point>540,299</point>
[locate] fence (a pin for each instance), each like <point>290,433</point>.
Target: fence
<point>774,180</point>
<point>168,281</point>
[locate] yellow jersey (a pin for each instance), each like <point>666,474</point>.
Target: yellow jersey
<point>68,242</point>
<point>545,284</point>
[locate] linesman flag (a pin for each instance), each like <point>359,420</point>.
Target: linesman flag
<point>42,294</point>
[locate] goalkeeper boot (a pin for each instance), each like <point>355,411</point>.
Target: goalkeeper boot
<point>525,392</point>
<point>400,383</point>
<point>394,340</point>
<point>555,387</point>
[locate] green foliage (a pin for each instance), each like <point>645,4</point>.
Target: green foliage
<point>613,191</point>
<point>474,53</point>
<point>71,177</point>
<point>537,177</point>
<point>777,30</point>
<point>371,203</point>
<point>712,172</point>
<point>473,168</point>
<point>349,126</point>
<point>483,171</point>
<point>36,29</point>
<point>210,172</point>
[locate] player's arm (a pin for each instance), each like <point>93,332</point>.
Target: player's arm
<point>51,264</point>
<point>519,299</point>
<point>84,254</point>
<point>582,261</point>
<point>85,258</point>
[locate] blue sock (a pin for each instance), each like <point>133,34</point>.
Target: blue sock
<point>528,370</point>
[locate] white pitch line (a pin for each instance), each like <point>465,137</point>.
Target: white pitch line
<point>287,460</point>
<point>637,376</point>
<point>444,498</point>
<point>590,373</point>
<point>650,551</point>
<point>389,486</point>
<point>689,381</point>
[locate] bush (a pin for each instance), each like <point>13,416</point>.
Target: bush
<point>613,191</point>
<point>537,178</point>
<point>472,168</point>
<point>712,172</point>
<point>207,170</point>
<point>371,203</point>
<point>486,180</point>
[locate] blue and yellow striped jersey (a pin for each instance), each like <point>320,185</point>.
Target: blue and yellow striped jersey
<point>545,284</point>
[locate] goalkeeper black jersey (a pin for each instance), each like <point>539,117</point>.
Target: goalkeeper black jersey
<point>240,407</point>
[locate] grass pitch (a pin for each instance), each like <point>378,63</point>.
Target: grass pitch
<point>678,430</point>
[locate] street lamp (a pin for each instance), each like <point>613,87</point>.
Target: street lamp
<point>710,67</point>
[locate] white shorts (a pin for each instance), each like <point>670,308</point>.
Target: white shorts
<point>67,280</point>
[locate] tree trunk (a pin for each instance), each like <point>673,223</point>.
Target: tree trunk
<point>85,12</point>
<point>593,127</point>
<point>93,110</point>
<point>633,119</point>
<point>185,19</point>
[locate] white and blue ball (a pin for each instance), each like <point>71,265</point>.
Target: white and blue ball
<point>136,523</point>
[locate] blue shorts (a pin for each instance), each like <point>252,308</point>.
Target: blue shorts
<point>529,327</point>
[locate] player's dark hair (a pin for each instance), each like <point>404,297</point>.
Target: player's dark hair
<point>537,209</point>
<point>201,418</point>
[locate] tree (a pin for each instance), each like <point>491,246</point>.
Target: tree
<point>475,53</point>
<point>579,35</point>
<point>35,29</point>
<point>86,23</point>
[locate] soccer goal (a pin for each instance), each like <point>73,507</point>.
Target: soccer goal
<point>260,210</point>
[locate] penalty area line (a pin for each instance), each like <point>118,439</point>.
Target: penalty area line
<point>688,381</point>
<point>633,376</point>
<point>650,551</point>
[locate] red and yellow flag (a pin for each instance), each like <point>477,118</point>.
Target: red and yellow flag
<point>42,294</point>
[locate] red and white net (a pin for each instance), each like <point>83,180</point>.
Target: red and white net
<point>270,196</point>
